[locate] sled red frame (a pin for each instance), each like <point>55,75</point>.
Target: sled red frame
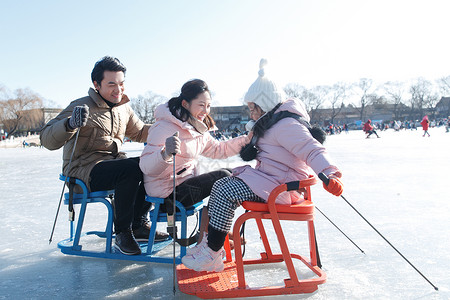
<point>230,283</point>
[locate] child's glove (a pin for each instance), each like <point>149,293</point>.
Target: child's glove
<point>79,117</point>
<point>334,186</point>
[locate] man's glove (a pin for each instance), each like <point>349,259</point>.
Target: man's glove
<point>334,186</point>
<point>79,117</point>
<point>173,145</point>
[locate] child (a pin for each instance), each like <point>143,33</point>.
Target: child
<point>425,124</point>
<point>286,151</point>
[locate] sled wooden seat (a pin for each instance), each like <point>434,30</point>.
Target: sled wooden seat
<point>231,283</point>
<point>72,245</point>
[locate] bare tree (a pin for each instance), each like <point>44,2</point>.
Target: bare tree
<point>337,96</point>
<point>294,90</point>
<point>318,96</point>
<point>420,91</point>
<point>395,92</point>
<point>17,112</point>
<point>312,98</point>
<point>444,84</point>
<point>431,102</point>
<point>364,85</point>
<point>144,106</point>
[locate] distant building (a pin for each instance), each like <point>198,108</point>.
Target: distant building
<point>31,120</point>
<point>229,118</point>
<point>443,107</point>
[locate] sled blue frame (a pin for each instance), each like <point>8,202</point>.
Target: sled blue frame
<point>72,246</point>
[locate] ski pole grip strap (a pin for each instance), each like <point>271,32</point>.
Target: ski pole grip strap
<point>168,203</point>
<point>71,187</point>
<point>172,231</point>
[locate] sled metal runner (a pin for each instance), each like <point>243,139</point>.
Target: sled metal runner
<point>230,283</point>
<point>150,249</point>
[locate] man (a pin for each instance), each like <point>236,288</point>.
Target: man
<point>103,119</point>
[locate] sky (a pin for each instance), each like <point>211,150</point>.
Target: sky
<point>52,46</point>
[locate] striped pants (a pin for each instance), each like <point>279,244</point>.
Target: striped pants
<point>226,196</point>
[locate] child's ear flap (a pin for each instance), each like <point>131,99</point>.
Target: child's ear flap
<point>318,134</point>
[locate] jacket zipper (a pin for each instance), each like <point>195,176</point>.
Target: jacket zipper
<point>112,121</point>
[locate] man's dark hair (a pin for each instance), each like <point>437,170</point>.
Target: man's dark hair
<point>107,63</point>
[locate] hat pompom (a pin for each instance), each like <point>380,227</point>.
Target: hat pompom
<point>262,64</point>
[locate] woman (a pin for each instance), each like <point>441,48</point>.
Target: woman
<point>182,128</point>
<point>286,151</point>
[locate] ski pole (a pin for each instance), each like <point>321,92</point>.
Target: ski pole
<point>340,230</point>
<point>325,180</point>
<point>174,222</point>
<point>64,186</point>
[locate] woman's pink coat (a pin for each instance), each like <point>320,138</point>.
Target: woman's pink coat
<point>158,174</point>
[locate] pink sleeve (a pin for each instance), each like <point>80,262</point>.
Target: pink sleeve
<point>223,149</point>
<point>151,161</point>
<point>297,139</point>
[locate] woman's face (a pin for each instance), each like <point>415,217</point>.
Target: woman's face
<point>200,106</point>
<point>255,111</point>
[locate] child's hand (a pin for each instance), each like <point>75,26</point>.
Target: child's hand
<point>334,186</point>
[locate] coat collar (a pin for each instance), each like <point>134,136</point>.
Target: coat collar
<point>101,103</point>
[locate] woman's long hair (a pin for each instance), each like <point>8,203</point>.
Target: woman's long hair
<point>189,91</point>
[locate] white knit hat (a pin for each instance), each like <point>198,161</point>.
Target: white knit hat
<point>263,91</point>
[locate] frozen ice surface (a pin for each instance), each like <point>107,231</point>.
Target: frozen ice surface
<point>398,182</point>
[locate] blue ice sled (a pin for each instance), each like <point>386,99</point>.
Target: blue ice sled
<point>72,245</point>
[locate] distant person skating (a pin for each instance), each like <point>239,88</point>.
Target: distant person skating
<point>425,124</point>
<point>397,125</point>
<point>369,130</point>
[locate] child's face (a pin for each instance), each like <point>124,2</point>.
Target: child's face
<point>255,111</point>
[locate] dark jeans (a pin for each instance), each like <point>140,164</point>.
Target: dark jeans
<point>125,177</point>
<point>196,189</point>
<point>372,132</point>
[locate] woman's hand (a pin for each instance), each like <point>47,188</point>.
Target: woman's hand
<point>172,146</point>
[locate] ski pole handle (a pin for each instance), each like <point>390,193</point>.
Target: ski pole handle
<point>324,178</point>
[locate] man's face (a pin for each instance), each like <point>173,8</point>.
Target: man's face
<point>112,86</point>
